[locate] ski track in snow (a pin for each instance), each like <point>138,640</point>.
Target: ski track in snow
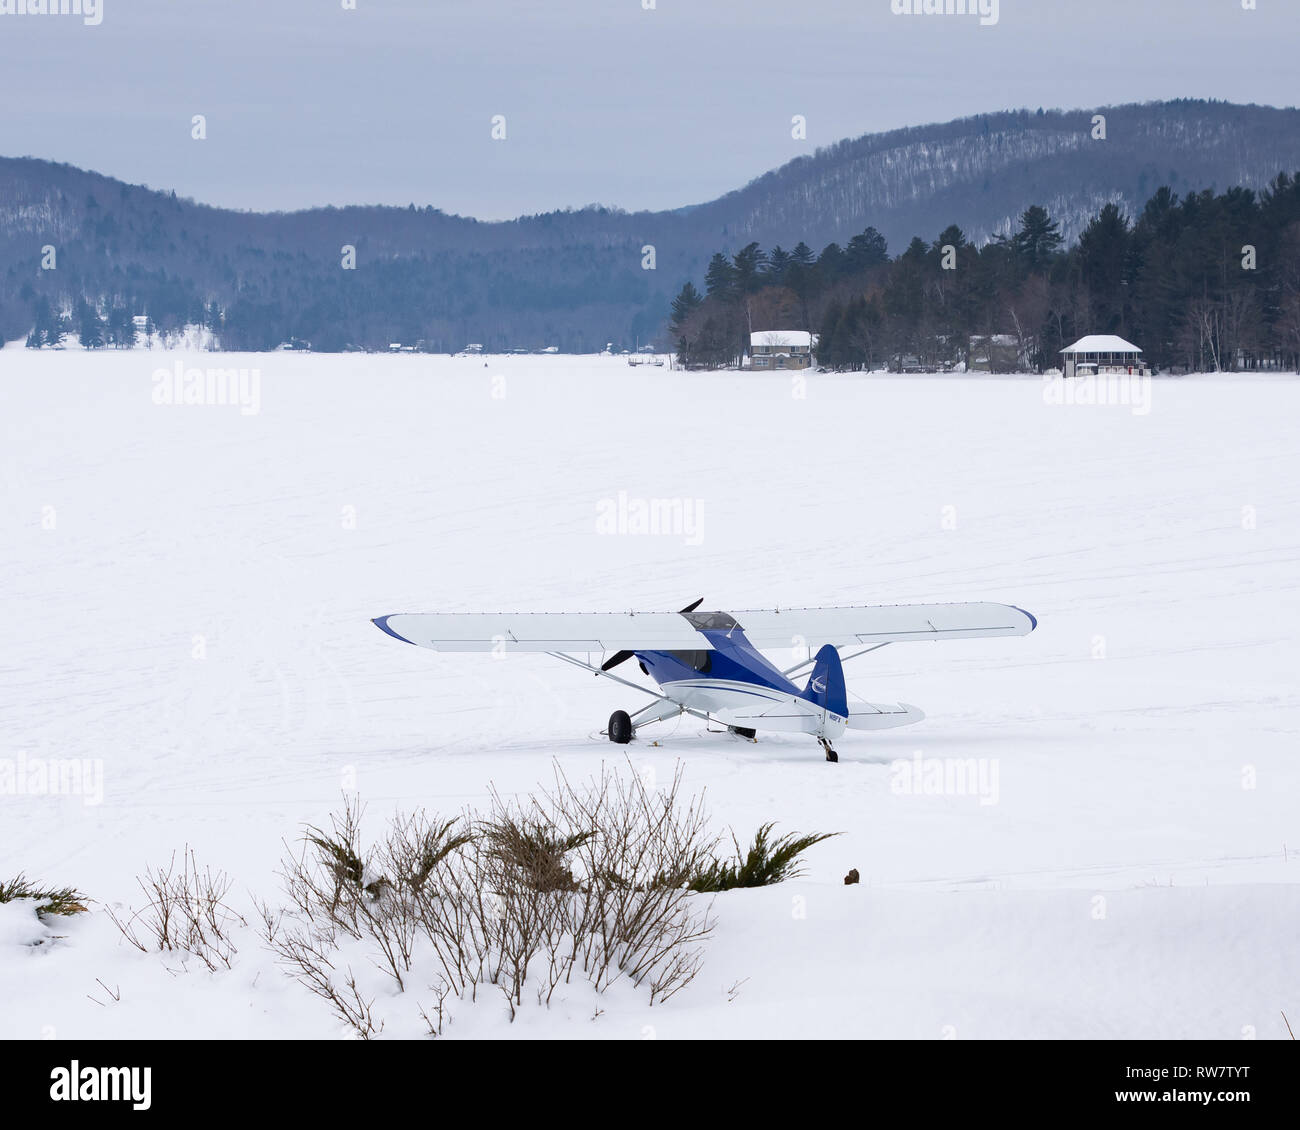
<point>1119,775</point>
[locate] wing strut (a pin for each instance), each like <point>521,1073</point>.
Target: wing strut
<point>843,658</point>
<point>597,671</point>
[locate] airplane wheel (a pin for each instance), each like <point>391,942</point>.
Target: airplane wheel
<point>831,755</point>
<point>620,727</point>
<point>744,732</point>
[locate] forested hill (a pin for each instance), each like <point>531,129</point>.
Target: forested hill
<point>576,279</point>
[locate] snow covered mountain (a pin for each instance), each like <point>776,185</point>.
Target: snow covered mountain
<point>578,279</point>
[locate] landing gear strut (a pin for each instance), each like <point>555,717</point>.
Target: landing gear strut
<point>831,755</point>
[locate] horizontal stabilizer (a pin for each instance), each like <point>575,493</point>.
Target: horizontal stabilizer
<point>872,716</point>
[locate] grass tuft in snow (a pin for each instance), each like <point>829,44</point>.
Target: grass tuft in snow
<point>432,845</point>
<point>766,862</point>
<point>49,900</point>
<point>533,854</point>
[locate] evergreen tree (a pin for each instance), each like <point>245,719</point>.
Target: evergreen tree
<point>1038,239</point>
<point>91,326</point>
<point>803,255</point>
<point>720,280</point>
<point>684,305</point>
<point>1103,261</point>
<point>830,263</point>
<point>778,266</point>
<point>45,328</point>
<point>866,251</point>
<point>748,265</point>
<point>121,328</point>
<point>826,339</point>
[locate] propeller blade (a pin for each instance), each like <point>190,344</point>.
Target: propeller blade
<point>623,656</point>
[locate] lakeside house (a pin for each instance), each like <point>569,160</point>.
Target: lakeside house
<point>780,349</point>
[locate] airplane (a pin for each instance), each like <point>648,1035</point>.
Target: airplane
<point>709,664</point>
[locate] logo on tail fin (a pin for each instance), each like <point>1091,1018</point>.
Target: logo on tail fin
<point>826,684</point>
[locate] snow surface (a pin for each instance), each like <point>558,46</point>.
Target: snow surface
<point>187,600</point>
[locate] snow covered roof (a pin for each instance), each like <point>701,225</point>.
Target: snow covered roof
<point>781,337</point>
<point>1102,343</point>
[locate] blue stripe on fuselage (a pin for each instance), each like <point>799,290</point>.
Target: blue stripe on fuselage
<point>733,657</point>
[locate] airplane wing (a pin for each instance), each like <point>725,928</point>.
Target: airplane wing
<point>673,631</point>
<point>545,631</point>
<point>888,623</point>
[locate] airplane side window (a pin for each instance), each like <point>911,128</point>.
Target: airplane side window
<point>701,661</point>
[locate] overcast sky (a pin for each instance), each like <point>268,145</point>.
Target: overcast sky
<point>604,101</point>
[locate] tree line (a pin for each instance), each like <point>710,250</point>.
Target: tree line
<point>1205,282</point>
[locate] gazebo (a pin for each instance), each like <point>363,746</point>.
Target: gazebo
<point>1103,353</point>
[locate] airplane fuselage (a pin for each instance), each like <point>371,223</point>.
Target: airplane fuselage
<point>732,681</point>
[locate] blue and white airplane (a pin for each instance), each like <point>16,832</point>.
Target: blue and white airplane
<point>709,664</point>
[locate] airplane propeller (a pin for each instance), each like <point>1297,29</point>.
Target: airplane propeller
<point>623,656</point>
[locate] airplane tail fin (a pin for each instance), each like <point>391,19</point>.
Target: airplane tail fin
<point>826,683</point>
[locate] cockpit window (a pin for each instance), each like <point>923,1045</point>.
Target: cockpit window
<point>711,621</point>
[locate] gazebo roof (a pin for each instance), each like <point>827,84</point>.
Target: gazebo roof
<point>1102,343</point>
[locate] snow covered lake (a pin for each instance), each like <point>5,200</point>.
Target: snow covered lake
<point>188,590</point>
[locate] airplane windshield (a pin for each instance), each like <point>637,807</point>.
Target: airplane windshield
<point>711,621</point>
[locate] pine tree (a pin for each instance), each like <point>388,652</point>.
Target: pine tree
<point>748,264</point>
<point>778,266</point>
<point>1103,258</point>
<point>720,280</point>
<point>91,326</point>
<point>826,339</point>
<point>1038,239</point>
<point>830,263</point>
<point>803,255</point>
<point>684,305</point>
<point>866,251</point>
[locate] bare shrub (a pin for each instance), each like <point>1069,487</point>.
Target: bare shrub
<point>184,911</point>
<point>587,880</point>
<point>635,916</point>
